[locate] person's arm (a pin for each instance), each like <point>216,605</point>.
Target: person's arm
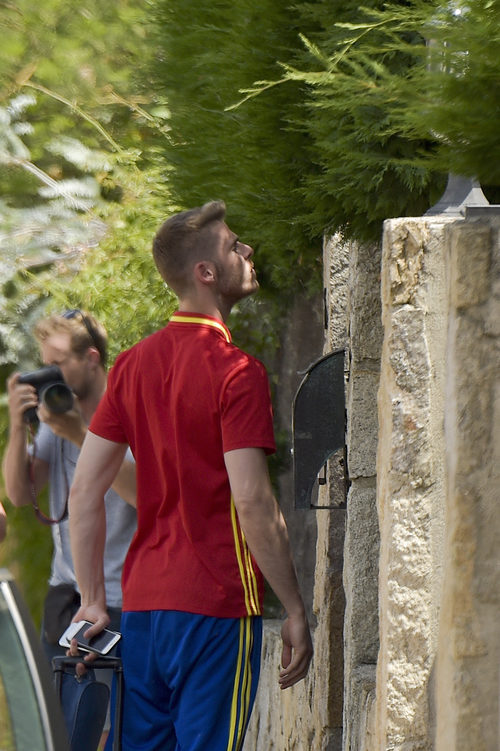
<point>18,485</point>
<point>265,531</point>
<point>97,466</point>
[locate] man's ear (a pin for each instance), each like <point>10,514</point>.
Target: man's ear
<point>93,355</point>
<point>204,272</point>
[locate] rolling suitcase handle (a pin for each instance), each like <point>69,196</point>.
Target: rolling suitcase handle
<point>111,663</point>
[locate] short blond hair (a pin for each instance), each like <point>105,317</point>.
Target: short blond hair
<point>84,331</point>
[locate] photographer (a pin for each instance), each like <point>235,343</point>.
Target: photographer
<point>76,343</point>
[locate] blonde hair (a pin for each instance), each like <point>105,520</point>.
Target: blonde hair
<point>84,330</point>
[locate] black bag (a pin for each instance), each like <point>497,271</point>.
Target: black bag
<point>61,603</point>
<point>84,701</point>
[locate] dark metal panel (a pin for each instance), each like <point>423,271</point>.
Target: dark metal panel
<point>318,422</point>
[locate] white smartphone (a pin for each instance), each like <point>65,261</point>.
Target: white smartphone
<point>102,643</point>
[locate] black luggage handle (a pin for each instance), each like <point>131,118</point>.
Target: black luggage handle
<point>112,663</point>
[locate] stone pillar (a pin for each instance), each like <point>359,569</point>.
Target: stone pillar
<point>362,537</point>
<point>329,601</point>
<point>410,478</point>
<point>467,673</point>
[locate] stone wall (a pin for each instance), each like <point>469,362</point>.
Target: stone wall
<point>362,538</point>
<point>410,480</point>
<point>467,677</point>
<point>438,465</point>
<point>310,717</point>
<point>418,549</point>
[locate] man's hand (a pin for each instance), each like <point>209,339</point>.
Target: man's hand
<point>21,397</point>
<point>97,615</point>
<point>69,425</point>
<point>297,650</point>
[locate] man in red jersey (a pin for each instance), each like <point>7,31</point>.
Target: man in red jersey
<point>196,413</point>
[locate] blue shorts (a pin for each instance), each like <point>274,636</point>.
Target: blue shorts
<point>190,680</point>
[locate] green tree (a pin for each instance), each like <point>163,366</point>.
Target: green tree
<point>344,116</point>
<point>86,128</point>
<point>115,278</point>
<point>250,156</point>
<point>86,54</point>
<point>396,99</point>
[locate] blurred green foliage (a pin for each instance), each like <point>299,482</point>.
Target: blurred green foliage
<point>73,111</point>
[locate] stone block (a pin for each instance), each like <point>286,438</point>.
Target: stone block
<point>336,253</point>
<point>362,423</point>
<point>403,256</point>
<point>365,308</point>
<point>470,251</point>
<point>410,447</point>
<point>361,721</point>
<point>361,576</point>
<point>409,352</point>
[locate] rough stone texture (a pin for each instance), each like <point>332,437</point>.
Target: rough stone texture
<point>336,259</point>
<point>276,722</point>
<point>438,467</point>
<point>426,525</point>
<point>470,262</point>
<point>362,422</point>
<point>361,640</point>
<point>467,672</point>
<point>365,325</point>
<point>410,481</point>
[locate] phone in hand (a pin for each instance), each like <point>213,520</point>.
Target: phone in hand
<point>102,643</point>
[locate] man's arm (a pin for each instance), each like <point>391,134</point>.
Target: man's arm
<point>18,485</point>
<point>97,466</point>
<point>265,532</point>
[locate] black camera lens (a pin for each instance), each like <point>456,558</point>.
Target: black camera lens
<point>51,391</point>
<point>57,397</point>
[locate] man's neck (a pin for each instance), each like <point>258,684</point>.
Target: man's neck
<point>89,404</point>
<point>206,307</point>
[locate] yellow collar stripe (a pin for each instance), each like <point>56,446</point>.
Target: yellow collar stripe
<point>205,321</point>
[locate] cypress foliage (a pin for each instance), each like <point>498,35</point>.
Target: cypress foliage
<point>344,116</point>
<point>358,70</point>
<point>308,149</point>
<point>396,100</point>
<point>247,156</point>
<point>459,91</point>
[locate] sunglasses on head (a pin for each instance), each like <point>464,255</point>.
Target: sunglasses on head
<point>77,313</point>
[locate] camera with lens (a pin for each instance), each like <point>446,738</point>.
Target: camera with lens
<point>51,390</point>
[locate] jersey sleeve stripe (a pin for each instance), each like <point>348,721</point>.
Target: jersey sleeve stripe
<point>247,573</point>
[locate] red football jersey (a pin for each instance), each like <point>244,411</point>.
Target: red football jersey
<point>181,398</point>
